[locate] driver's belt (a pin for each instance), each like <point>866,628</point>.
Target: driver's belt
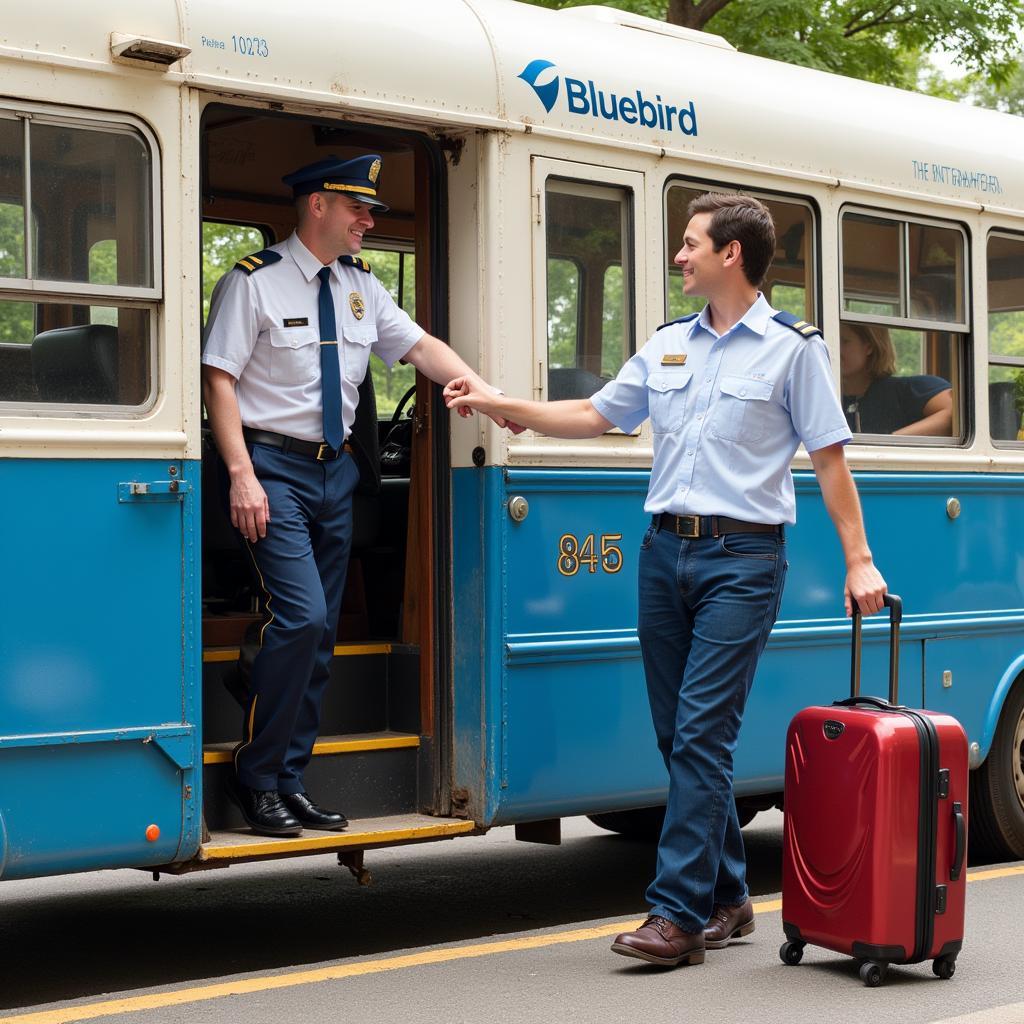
<point>293,445</point>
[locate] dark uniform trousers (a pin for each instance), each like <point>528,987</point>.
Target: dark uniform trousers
<point>302,563</point>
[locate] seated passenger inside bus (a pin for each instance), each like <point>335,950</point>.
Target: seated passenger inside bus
<point>876,400</point>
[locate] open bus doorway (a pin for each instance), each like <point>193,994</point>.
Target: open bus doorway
<point>376,756</point>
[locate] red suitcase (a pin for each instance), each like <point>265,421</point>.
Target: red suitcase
<point>875,833</point>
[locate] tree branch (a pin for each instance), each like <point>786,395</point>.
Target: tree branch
<point>880,22</point>
<point>881,19</point>
<point>693,15</point>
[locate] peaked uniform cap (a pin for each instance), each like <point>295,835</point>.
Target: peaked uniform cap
<point>357,178</point>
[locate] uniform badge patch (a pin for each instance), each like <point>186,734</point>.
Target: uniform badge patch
<point>374,172</point>
<point>673,359</point>
<point>356,304</point>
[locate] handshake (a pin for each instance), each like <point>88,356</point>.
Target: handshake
<point>466,394</point>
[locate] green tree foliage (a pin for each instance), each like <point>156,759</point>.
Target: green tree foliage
<point>16,318</point>
<point>877,40</point>
<point>977,89</point>
<point>223,246</point>
<point>391,383</point>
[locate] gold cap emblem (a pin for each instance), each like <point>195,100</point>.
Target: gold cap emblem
<point>356,304</point>
<point>374,172</point>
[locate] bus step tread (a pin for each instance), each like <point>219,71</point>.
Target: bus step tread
<point>239,845</point>
<point>348,649</point>
<point>221,753</point>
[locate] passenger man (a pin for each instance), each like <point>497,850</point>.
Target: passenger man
<point>290,333</point>
<point>731,393</point>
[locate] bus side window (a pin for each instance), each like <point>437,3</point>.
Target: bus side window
<point>1006,337</point>
<point>904,333</point>
<point>90,236</point>
<point>396,270</point>
<point>790,281</point>
<point>590,329</point>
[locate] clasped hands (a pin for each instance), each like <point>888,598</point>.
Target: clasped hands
<point>466,394</point>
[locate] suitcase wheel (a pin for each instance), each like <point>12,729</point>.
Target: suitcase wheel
<point>873,973</point>
<point>943,967</point>
<point>792,953</point>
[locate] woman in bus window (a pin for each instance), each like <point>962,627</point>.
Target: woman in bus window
<point>878,402</point>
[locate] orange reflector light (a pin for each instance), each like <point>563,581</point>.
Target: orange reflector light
<point>153,833</point>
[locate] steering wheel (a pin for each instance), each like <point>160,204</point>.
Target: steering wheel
<point>400,408</point>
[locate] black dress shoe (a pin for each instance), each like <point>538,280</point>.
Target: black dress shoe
<point>263,811</point>
<point>312,816</point>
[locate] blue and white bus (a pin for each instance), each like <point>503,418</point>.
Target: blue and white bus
<point>538,165</point>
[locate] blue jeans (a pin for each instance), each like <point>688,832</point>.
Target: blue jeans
<point>302,563</point>
<point>706,609</point>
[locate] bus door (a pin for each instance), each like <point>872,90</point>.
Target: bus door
<point>575,729</point>
<point>377,756</point>
<point>97,678</point>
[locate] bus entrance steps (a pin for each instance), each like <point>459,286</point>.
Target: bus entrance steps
<point>371,760</point>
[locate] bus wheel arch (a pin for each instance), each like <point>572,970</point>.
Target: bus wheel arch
<point>997,784</point>
<point>645,822</point>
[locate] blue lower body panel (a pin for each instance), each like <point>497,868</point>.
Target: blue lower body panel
<point>550,701</point>
<point>99,680</point>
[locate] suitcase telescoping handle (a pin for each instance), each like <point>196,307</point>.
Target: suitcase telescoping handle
<point>895,606</point>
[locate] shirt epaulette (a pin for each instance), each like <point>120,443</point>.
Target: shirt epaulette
<point>355,261</point>
<point>258,260</point>
<point>681,320</point>
<point>801,327</point>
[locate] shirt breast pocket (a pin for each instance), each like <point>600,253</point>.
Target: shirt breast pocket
<point>294,355</point>
<point>358,342</point>
<point>742,412</point>
<point>666,399</point>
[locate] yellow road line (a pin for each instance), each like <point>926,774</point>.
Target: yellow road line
<point>204,993</point>
<point>984,876</point>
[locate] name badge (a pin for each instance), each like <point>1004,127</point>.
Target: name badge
<point>296,321</point>
<point>673,359</point>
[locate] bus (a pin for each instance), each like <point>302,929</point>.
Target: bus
<point>538,166</point>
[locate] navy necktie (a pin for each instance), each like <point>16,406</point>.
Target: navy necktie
<point>330,368</point>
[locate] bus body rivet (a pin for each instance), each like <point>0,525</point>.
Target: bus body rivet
<point>518,508</point>
<point>952,507</point>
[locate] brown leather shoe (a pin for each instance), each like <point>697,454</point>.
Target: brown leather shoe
<point>728,923</point>
<point>660,942</point>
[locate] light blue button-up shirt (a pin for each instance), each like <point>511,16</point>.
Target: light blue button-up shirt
<point>728,420</point>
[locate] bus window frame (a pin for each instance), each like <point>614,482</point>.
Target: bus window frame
<point>906,322</point>
<point>709,185</point>
<point>546,169</point>
<point>36,290</point>
<point>1009,362</point>
<point>967,398</point>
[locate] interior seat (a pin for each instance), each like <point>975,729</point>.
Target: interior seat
<point>77,364</point>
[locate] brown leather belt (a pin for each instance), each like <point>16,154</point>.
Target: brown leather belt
<point>710,526</point>
<point>318,450</point>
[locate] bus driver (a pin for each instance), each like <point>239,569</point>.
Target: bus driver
<point>731,393</point>
<point>286,347</point>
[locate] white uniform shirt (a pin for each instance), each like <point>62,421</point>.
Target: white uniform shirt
<point>729,419</point>
<point>264,329</point>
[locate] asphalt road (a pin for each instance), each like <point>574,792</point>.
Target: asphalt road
<point>470,930</point>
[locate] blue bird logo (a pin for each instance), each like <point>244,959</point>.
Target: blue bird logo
<point>547,93</point>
